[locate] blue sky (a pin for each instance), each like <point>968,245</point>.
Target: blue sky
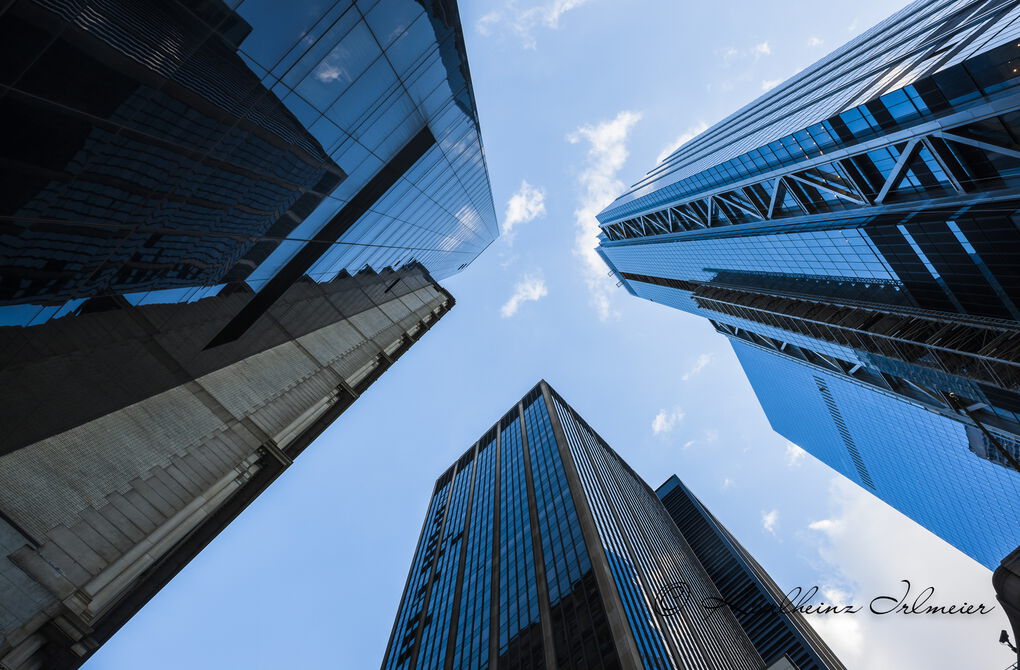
<point>577,99</point>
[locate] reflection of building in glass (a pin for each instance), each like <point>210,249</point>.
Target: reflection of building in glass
<point>855,232</point>
<point>148,155</point>
<point>761,606</point>
<point>542,549</point>
<point>219,224</point>
<point>187,144</point>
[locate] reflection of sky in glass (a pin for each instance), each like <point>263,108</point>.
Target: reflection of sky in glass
<point>919,460</point>
<point>364,80</point>
<point>845,252</point>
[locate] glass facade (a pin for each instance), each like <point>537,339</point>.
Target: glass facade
<point>649,557</point>
<point>860,91</point>
<point>863,217</point>
<point>564,559</point>
<point>518,633</point>
<point>195,165</point>
<point>915,459</point>
<point>220,222</point>
<point>775,633</point>
<point>170,149</point>
<point>471,649</point>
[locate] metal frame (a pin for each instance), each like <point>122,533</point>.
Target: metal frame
<point>829,174</point>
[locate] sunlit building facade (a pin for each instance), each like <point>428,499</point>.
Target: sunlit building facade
<point>220,222</point>
<point>860,224</point>
<point>541,548</point>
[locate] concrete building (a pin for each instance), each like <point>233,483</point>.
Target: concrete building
<point>108,496</point>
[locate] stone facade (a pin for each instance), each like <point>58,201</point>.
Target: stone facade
<point>97,517</point>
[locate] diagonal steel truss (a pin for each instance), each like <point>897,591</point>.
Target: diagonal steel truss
<point>820,185</point>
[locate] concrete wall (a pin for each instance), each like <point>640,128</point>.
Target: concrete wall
<point>91,508</point>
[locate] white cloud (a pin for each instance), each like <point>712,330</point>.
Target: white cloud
<point>711,435</point>
<point>830,526</point>
<point>328,72</point>
<point>688,443</point>
<point>854,27</point>
<point>681,139</point>
<point>769,520</point>
<point>524,21</point>
<point>836,596</point>
<point>727,484</point>
<point>665,421</point>
<point>699,365</point>
<point>794,454</point>
<point>527,289</point>
<point>551,13</point>
<point>815,42</point>
<point>843,634</point>
<point>486,23</point>
<point>863,545</point>
<point>769,84</point>
<point>527,204</point>
<point>759,50</point>
<point>607,152</point>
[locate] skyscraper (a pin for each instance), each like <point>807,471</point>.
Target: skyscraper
<point>542,548</point>
<point>188,144</point>
<point>855,233</point>
<point>762,608</point>
<point>220,222</point>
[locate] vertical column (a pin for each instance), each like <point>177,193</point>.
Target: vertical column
<point>459,582</point>
<point>544,614</point>
<point>468,646</point>
<point>520,631</point>
<point>625,644</point>
<point>496,540</point>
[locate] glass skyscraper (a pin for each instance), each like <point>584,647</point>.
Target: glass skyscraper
<point>761,607</point>
<point>220,222</point>
<point>855,232</point>
<point>166,149</point>
<point>541,548</point>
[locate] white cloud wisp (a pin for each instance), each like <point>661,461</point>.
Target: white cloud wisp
<point>525,21</point>
<point>665,421</point>
<point>794,455</point>
<point>607,152</point>
<point>527,204</point>
<point>699,365</point>
<point>527,289</point>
